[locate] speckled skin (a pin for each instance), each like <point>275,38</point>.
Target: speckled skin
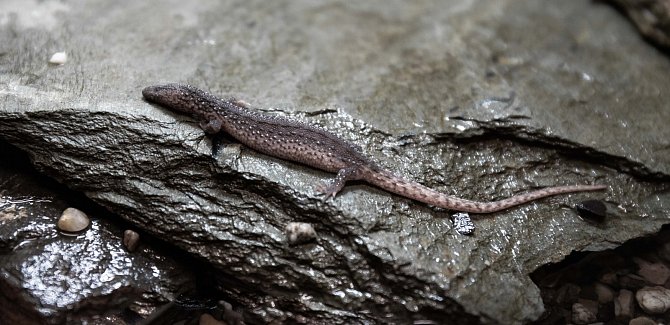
<point>299,142</point>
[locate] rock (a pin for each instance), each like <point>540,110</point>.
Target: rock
<point>603,292</point>
<point>610,278</point>
<point>582,315</point>
<point>588,292</point>
<point>424,109</point>
<point>653,300</point>
<point>568,294</point>
<point>624,304</point>
<point>592,210</point>
<point>606,311</point>
<point>207,319</point>
<point>631,282</point>
<point>463,223</point>
<point>47,280</point>
<point>131,240</point>
<point>590,305</point>
<point>655,273</point>
<point>58,58</point>
<point>651,17</point>
<point>73,221</point>
<point>231,316</point>
<point>300,233</point>
<point>642,321</point>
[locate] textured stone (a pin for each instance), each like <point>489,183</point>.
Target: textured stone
<point>454,95</point>
<point>582,315</point>
<point>642,321</point>
<point>653,300</point>
<point>73,220</point>
<point>604,293</point>
<point>624,304</point>
<point>655,273</point>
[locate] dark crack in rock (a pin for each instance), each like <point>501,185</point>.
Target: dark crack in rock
<point>458,96</point>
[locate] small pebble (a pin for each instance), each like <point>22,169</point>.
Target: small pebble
<point>73,221</point>
<point>230,316</point>
<point>299,233</point>
<point>654,273</point>
<point>590,305</point>
<point>131,240</point>
<point>642,321</point>
<point>58,58</point>
<point>623,304</point>
<point>582,315</point>
<point>207,319</point>
<point>604,293</point>
<point>593,210</point>
<point>567,294</point>
<point>653,300</point>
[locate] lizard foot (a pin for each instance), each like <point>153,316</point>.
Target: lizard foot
<point>327,190</point>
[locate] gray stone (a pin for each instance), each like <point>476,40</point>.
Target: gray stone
<point>455,95</point>
<point>651,17</point>
<point>653,300</point>
<point>73,220</point>
<point>604,292</point>
<point>131,240</point>
<point>632,281</point>
<point>642,321</point>
<point>582,315</point>
<point>299,233</point>
<point>609,278</point>
<point>654,272</point>
<point>624,305</point>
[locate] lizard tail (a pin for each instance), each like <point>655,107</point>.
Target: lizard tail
<point>415,191</point>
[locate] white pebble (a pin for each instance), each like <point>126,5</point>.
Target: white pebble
<point>653,300</point>
<point>58,58</point>
<point>73,220</point>
<point>299,232</point>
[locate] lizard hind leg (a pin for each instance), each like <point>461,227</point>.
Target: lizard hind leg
<point>343,175</point>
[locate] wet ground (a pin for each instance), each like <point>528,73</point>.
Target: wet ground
<point>51,277</point>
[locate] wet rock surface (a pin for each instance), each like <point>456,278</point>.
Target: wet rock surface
<point>47,277</point>
<point>461,98</point>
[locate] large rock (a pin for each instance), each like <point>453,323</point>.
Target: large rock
<point>479,99</point>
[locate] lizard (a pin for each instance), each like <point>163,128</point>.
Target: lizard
<point>315,147</point>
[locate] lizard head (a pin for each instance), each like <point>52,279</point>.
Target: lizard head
<point>179,98</point>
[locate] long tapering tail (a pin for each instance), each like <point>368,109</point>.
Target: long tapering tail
<point>413,190</point>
